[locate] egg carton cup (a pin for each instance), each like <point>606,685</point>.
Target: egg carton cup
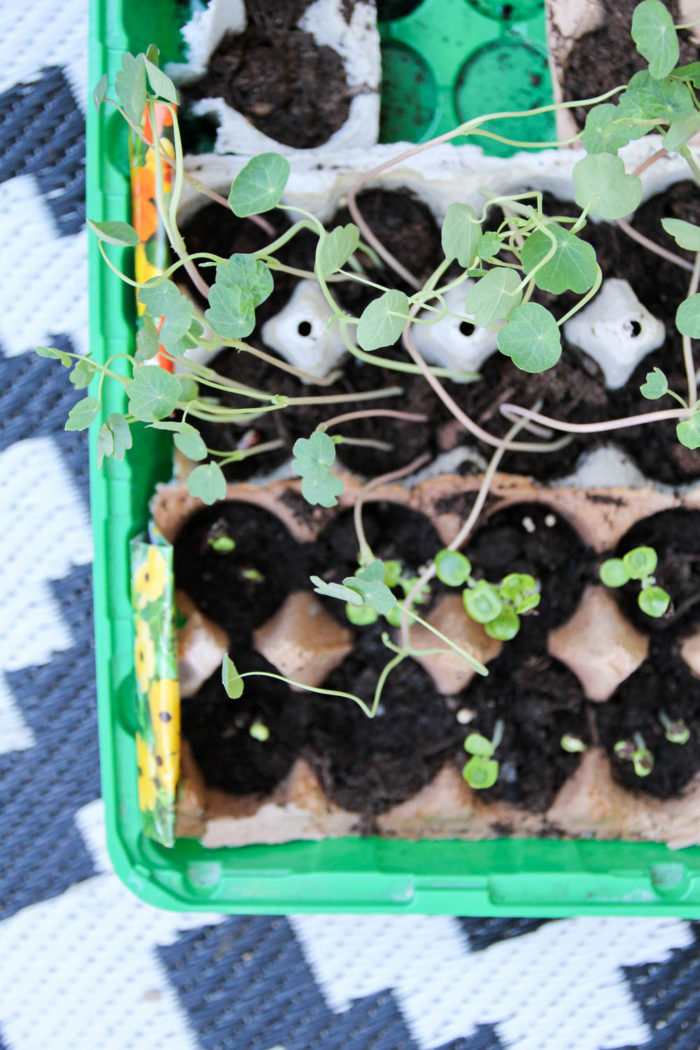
<point>350,30</point>
<point>597,644</point>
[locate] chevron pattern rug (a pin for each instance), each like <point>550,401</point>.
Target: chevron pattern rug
<point>83,964</point>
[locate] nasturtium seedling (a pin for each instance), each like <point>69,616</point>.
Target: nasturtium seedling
<point>655,35</point>
<point>461,231</point>
<point>571,268</point>
<point>336,248</point>
<point>688,431</point>
<point>258,187</point>
<point>655,386</point>
<point>493,297</point>
<point>383,320</point>
<point>207,483</point>
<point>531,338</point>
<point>452,568</point>
<point>313,458</point>
<point>603,186</point>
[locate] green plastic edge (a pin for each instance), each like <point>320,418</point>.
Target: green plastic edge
<point>500,877</point>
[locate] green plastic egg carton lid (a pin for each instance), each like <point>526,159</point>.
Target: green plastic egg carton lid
<point>447,61</point>
<point>498,877</point>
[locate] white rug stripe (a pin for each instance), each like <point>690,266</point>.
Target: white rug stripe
<point>44,277</point>
<point>37,35</point>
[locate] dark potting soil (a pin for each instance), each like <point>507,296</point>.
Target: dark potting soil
<point>392,531</point>
<point>271,74</point>
<point>675,536</point>
<point>238,589</point>
<point>368,765</point>
<point>662,684</point>
<point>406,227</point>
<point>218,730</point>
<point>538,700</point>
<point>533,538</point>
<point>607,57</point>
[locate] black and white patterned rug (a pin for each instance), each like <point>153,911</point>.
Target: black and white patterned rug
<point>83,964</point>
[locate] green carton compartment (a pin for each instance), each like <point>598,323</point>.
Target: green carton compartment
<point>501,877</point>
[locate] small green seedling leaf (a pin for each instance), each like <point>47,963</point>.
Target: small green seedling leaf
<point>480,773</point>
<point>656,385</point>
<point>164,299</point>
<point>479,745</point>
<point>461,231</point>
<point>676,730</point>
<point>130,86</point>
<point>153,393</point>
<point>82,373</point>
<point>654,601</point>
<point>147,340</point>
<point>640,562</point>
<point>207,483</point>
<point>105,443</point>
<point>383,321</point>
<point>655,35</point>
<point>82,414</point>
<point>241,284</point>
<point>613,573</point>
<point>685,234</point>
<point>482,602</point>
<point>55,355</point>
<point>232,681</point>
<point>688,431</point>
<point>688,316</point>
<point>222,544</point>
<point>119,233</point>
<point>336,248</point>
<point>643,762</point>
<point>248,273</point>
<point>680,131</point>
<point>572,267</point>
<point>603,186</point>
<point>531,338</point>
<point>161,84</point>
<point>488,245</point>
<point>336,590</point>
<point>607,130</point>
<point>361,615</point>
<point>189,441</point>
<point>452,568</point>
<point>572,744</point>
<point>313,458</point>
<point>259,185</point>
<point>189,391</point>
<point>373,592</point>
<point>121,435</point>
<point>652,102</point>
<point>100,92</point>
<point>493,297</point>
<point>505,626</point>
<point>393,571</point>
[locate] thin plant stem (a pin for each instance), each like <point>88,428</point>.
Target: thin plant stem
<point>687,343</point>
<point>366,554</point>
<point>509,410</point>
<point>651,246</point>
<point>348,417</point>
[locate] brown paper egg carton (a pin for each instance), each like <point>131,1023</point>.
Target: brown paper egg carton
<point>598,644</point>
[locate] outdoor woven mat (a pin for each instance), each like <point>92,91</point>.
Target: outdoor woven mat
<point>83,964</point>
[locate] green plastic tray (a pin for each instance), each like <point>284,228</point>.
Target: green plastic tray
<point>502,877</point>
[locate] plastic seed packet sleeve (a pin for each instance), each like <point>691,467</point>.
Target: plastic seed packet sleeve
<point>157,690</point>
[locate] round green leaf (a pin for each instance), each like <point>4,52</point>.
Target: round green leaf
<point>489,245</point>
<point>119,233</point>
<point>480,773</point>
<point>105,443</point>
<point>336,248</point>
<point>571,268</point>
<point>685,234</point>
<point>361,615</point>
<point>452,568</point>
<point>613,573</point>
<point>461,231</point>
<point>654,601</point>
<point>482,602</point>
<point>82,414</point>
<point>189,441</point>
<point>153,393</point>
<point>259,185</point>
<point>505,626</point>
<point>688,316</point>
<point>383,321</point>
<point>607,130</point>
<point>476,744</point>
<point>603,186</point>
<point>688,431</point>
<point>207,483</point>
<point>531,338</point>
<point>640,562</point>
<point>656,385</point>
<point>655,35</point>
<point>494,296</point>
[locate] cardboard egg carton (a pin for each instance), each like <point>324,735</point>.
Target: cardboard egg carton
<point>598,644</point>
